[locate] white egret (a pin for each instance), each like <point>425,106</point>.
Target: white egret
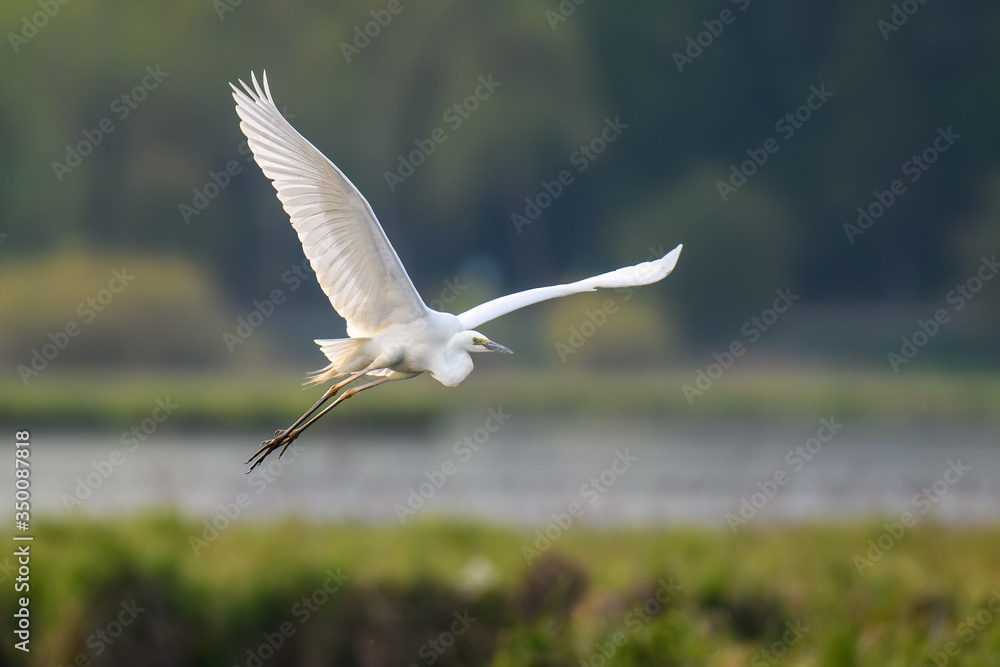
<point>393,334</point>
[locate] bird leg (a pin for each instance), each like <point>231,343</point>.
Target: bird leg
<point>269,446</point>
<point>285,438</point>
<point>340,399</point>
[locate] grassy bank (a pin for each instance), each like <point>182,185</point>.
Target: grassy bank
<point>352,595</point>
<point>100,399</point>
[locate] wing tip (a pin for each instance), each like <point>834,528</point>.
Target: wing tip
<point>670,259</point>
<point>258,92</point>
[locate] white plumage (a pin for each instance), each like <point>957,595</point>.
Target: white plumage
<point>353,260</point>
<point>393,334</point>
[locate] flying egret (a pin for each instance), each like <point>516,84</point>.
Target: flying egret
<point>393,334</point>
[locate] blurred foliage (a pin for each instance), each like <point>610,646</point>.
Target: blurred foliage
<point>979,239</point>
<point>729,252</point>
<point>655,185</point>
<point>389,596</point>
<point>109,310</point>
<point>610,328</point>
<point>256,400</point>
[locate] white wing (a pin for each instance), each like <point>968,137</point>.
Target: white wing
<point>630,276</point>
<point>353,260</point>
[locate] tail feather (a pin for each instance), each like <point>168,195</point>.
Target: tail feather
<point>340,352</point>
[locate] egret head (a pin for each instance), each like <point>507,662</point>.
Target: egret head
<point>477,342</point>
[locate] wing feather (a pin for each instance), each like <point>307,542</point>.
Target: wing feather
<point>354,262</point>
<point>629,276</point>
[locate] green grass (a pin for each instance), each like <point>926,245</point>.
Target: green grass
<point>735,595</point>
<point>99,399</point>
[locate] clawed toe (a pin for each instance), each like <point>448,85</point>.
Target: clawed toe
<point>281,439</point>
<point>263,445</point>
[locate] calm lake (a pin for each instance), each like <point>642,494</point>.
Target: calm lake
<point>520,470</point>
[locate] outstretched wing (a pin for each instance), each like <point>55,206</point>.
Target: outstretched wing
<point>630,276</point>
<point>353,260</point>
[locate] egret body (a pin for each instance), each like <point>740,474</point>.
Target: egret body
<point>393,335</point>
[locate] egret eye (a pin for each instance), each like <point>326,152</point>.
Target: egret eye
<point>478,341</point>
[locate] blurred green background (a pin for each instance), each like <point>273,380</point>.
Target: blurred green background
<point>138,240</point>
<point>655,185</point>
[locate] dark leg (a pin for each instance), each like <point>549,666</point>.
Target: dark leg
<point>269,446</point>
<point>294,433</point>
<point>287,437</point>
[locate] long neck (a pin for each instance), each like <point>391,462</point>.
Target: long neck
<point>457,364</point>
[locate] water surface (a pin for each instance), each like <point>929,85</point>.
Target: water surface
<point>667,472</point>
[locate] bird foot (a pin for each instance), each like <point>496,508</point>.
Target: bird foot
<point>282,438</point>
